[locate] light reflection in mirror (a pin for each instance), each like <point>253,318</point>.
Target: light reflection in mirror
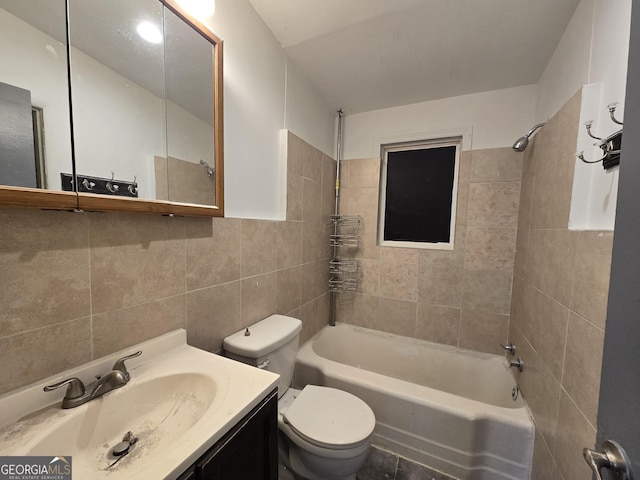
<point>117,91</point>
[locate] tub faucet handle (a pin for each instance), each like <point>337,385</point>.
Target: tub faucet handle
<point>519,364</point>
<point>509,347</point>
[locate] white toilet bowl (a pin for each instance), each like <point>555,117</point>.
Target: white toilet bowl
<point>325,434</point>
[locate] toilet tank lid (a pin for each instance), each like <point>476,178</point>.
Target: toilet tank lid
<point>264,337</point>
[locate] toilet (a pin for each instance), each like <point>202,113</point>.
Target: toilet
<point>324,433</point>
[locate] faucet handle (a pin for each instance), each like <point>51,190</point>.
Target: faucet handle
<point>74,390</point>
<point>509,347</point>
<point>119,365</point>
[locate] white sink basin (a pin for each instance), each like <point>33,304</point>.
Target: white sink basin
<point>178,404</point>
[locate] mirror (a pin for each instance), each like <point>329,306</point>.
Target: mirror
<point>35,136</point>
<point>146,110</point>
<point>189,83</point>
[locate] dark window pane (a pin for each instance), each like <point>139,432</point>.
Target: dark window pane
<point>419,194</point>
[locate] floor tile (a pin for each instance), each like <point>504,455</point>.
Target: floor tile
<point>380,465</point>
<point>408,470</point>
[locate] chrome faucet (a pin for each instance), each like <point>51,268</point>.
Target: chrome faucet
<point>519,364</point>
<point>77,394</point>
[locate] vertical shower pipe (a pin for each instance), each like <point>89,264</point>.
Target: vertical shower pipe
<point>332,320</point>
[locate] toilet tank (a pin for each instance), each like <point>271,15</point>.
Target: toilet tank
<point>270,344</point>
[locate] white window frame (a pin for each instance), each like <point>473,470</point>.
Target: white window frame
<point>454,141</point>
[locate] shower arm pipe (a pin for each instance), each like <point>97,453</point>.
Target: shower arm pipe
<point>332,319</point>
<point>534,128</point>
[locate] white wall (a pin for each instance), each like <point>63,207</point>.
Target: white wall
<point>496,119</point>
<point>307,112</point>
<point>593,50</point>
<point>260,98</point>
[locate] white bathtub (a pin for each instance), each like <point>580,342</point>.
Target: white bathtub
<point>449,409</point>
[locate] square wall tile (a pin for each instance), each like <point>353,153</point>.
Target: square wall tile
<point>32,356</point>
<point>328,187</point>
<point>289,244</point>
<point>369,277</point>
<point>212,314</point>
<point>294,196</point>
<point>440,284</point>
<point>214,252</point>
<point>407,256</point>
<point>311,162</point>
<point>398,317</point>
<point>522,248</point>
<point>582,365</point>
<point>526,189</point>
<point>540,389</point>
<point>135,259</point>
<point>438,324</point>
<point>314,280</point>
<point>490,248</point>
<point>314,315</point>
<point>494,204</point>
<point>542,459</point>
<point>258,298</point>
<point>398,280</point>
<point>358,309</point>
<point>315,242</point>
<point>591,276</point>
<point>256,259</point>
<point>496,165</point>
<point>288,290</point>
<point>295,153</point>
<point>547,326</point>
<point>118,329</point>
<point>487,291</point>
<point>552,194</point>
<point>483,332</point>
<point>364,172</point>
<point>574,434</point>
<point>311,200</point>
<point>550,262</point>
<point>44,259</point>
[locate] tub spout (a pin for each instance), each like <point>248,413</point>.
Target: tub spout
<point>519,364</point>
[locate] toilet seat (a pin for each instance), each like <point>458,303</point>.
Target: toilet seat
<point>330,418</point>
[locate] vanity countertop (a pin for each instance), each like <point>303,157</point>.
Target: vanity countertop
<point>179,402</point>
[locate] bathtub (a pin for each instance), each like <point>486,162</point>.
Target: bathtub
<point>451,410</point>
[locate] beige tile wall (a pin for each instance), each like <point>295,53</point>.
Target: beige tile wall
<point>460,297</point>
<point>559,303</point>
<point>77,286</point>
<point>183,181</point>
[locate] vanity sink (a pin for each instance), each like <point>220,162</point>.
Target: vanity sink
<point>177,404</point>
<point>157,412</point>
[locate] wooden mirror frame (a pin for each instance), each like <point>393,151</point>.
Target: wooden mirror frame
<point>60,200</point>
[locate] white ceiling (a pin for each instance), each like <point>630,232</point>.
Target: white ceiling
<point>369,54</point>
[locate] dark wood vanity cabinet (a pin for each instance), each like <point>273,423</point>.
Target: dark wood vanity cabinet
<point>248,452</point>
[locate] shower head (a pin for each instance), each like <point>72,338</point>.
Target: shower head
<point>521,144</point>
<point>210,171</point>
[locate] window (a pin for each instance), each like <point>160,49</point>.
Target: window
<point>418,194</point>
